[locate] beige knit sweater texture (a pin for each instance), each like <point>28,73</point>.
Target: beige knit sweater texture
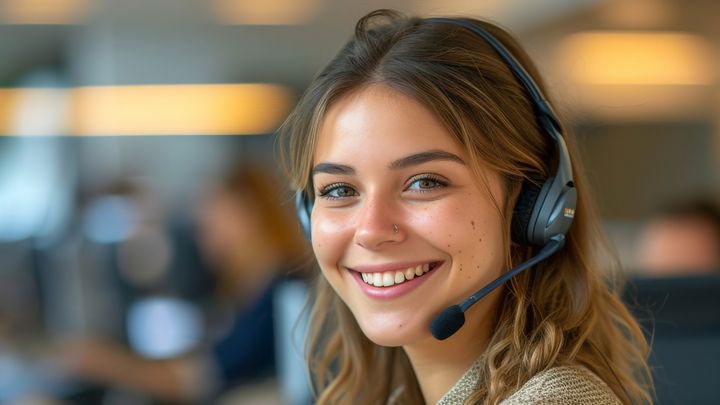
<point>572,385</point>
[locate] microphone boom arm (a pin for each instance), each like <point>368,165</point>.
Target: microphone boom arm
<point>556,243</point>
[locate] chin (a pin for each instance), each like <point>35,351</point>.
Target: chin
<point>394,332</point>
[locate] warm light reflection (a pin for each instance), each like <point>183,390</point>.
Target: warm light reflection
<point>638,58</point>
<point>214,109</point>
<point>44,11</point>
<point>264,12</point>
<point>651,103</point>
<point>8,102</point>
<point>179,109</point>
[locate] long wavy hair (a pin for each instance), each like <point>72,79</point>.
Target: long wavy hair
<point>565,311</point>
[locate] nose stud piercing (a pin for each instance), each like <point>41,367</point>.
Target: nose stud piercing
<point>395,229</point>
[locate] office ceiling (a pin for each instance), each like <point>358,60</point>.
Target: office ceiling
<point>188,41</point>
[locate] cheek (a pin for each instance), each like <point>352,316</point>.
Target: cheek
<point>428,222</point>
<point>481,257</point>
<point>330,236</point>
<point>451,226</point>
<point>470,234</point>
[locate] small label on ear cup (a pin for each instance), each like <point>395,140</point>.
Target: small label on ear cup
<point>569,213</point>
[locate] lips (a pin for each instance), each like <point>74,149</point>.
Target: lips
<point>393,280</point>
<point>390,278</point>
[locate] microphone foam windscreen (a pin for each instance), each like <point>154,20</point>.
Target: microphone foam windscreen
<point>447,323</point>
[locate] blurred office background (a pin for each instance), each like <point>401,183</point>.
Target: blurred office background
<point>119,117</point>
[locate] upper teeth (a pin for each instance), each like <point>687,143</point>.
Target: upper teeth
<point>389,278</point>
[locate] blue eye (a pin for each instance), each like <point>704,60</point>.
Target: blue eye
<point>337,191</point>
<point>424,183</point>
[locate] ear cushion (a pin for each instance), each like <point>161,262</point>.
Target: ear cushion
<point>523,211</point>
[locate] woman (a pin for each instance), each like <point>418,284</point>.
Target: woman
<point>412,148</point>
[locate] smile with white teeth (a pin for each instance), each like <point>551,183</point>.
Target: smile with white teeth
<point>389,278</point>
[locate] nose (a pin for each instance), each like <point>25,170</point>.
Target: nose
<point>378,224</point>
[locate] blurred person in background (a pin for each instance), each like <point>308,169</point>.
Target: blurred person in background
<point>683,239</point>
<point>251,244</point>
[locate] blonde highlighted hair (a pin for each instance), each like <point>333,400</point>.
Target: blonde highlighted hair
<point>561,312</point>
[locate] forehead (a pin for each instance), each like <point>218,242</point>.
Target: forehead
<point>382,122</point>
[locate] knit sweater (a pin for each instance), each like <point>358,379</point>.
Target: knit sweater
<point>559,385</point>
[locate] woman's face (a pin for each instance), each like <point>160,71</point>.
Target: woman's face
<point>401,227</point>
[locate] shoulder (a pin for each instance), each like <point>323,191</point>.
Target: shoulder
<point>564,385</point>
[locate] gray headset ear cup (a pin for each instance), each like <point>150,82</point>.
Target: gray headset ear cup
<point>303,208</point>
<point>523,212</point>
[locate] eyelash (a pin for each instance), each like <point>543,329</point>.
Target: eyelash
<point>325,191</point>
<point>441,182</point>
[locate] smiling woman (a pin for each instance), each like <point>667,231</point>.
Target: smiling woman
<point>419,185</point>
<point>419,159</point>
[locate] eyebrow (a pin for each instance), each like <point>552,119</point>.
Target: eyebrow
<point>424,157</point>
<point>407,161</point>
<point>332,168</point>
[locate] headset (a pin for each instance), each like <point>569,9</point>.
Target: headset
<point>542,215</point>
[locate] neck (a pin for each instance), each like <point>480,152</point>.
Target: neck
<point>439,364</point>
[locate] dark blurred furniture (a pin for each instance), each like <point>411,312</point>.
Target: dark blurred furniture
<point>681,317</point>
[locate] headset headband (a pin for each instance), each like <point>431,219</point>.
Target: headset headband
<point>541,212</point>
